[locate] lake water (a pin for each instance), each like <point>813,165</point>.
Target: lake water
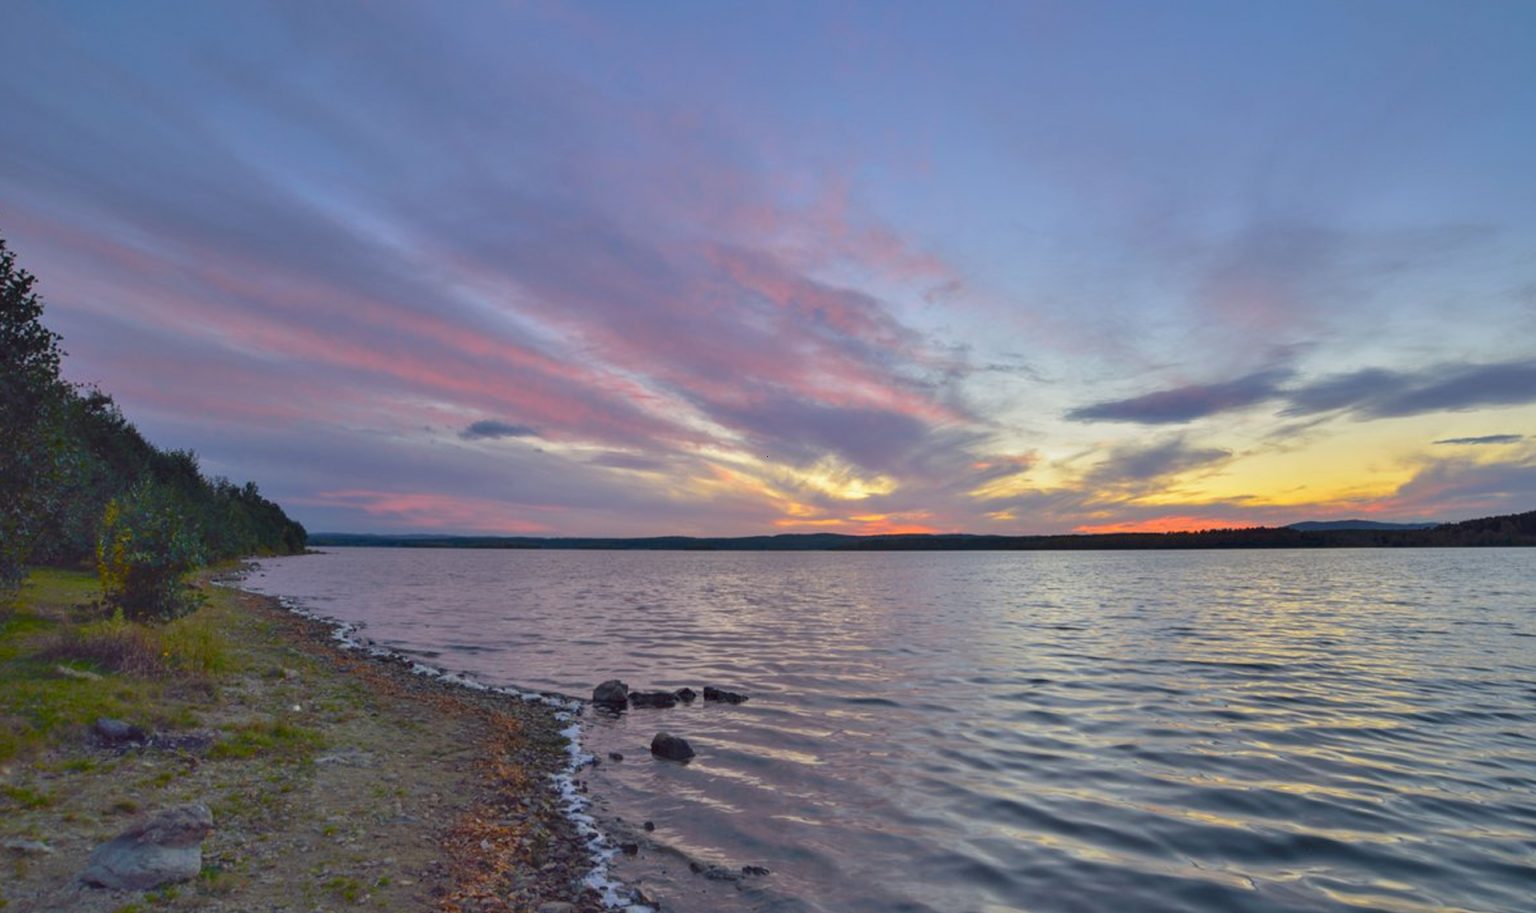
<point>1057,732</point>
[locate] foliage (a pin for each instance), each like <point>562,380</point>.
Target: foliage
<point>148,545</point>
<point>76,476</point>
<point>62,666</point>
<point>31,397</point>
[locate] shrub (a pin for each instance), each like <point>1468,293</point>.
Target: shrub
<point>114,645</point>
<point>145,550</point>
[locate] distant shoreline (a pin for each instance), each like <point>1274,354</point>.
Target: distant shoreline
<point>1512,530</point>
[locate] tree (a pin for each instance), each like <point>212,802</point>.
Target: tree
<point>77,479</point>
<point>33,447</point>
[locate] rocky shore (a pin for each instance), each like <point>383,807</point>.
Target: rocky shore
<point>300,777</point>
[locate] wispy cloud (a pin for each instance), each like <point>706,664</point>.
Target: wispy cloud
<point>716,308</point>
<point>1483,439</point>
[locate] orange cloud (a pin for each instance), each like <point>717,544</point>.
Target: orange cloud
<point>433,511</point>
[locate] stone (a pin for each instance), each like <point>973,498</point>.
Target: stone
<point>556,906</point>
<point>672,747</point>
<point>714,872</point>
<point>157,850</point>
<point>79,675</point>
<point>615,756</point>
<point>117,732</point>
<point>28,847</point>
<point>754,870</point>
<point>686,695</point>
<point>629,848</point>
<point>612,693</point>
<point>711,693</point>
<point>197,741</point>
<point>649,825</point>
<point>652,699</point>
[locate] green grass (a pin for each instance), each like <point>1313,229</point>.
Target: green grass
<point>153,676</point>
<point>27,798</point>
<point>293,742</point>
<point>348,889</point>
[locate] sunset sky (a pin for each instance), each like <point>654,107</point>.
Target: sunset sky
<point>731,268</point>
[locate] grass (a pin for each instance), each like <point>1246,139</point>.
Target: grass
<point>63,665</point>
<point>289,741</point>
<point>347,888</point>
<point>27,798</point>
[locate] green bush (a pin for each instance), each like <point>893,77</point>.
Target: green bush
<point>146,548</point>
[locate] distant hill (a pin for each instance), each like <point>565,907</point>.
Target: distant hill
<point>1508,530</point>
<point>1318,525</point>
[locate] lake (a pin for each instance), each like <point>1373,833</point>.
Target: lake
<point>1056,732</point>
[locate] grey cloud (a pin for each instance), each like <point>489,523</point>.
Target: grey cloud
<point>1369,393</point>
<point>1378,393</point>
<point>1136,465</point>
<point>1185,404</point>
<point>1484,439</point>
<point>490,429</point>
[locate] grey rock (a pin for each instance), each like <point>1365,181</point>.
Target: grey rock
<point>197,741</point>
<point>715,872</point>
<point>556,906</point>
<point>28,847</point>
<point>615,756</point>
<point>79,675</point>
<point>612,693</point>
<point>117,732</point>
<point>686,695</point>
<point>159,849</point>
<point>672,747</point>
<point>649,825</point>
<point>754,870</point>
<point>347,757</point>
<point>652,699</point>
<point>711,693</point>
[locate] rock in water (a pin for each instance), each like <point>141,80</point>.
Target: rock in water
<point>653,699</point>
<point>612,693</point>
<point>686,695</point>
<point>711,693</point>
<point>672,747</point>
<point>160,849</point>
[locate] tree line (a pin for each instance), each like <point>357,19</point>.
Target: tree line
<point>79,484</point>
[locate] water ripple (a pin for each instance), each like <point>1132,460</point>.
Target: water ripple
<point>1275,732</point>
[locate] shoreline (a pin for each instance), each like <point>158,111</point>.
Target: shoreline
<point>563,710</point>
<point>340,775</point>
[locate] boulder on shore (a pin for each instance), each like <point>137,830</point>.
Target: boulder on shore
<point>157,850</point>
<point>612,693</point>
<point>711,693</point>
<point>672,747</point>
<point>116,732</point>
<point>652,699</point>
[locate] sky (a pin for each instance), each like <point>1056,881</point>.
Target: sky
<point>729,268</point>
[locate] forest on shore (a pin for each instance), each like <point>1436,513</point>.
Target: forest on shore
<point>1509,530</point>
<point>80,486</point>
